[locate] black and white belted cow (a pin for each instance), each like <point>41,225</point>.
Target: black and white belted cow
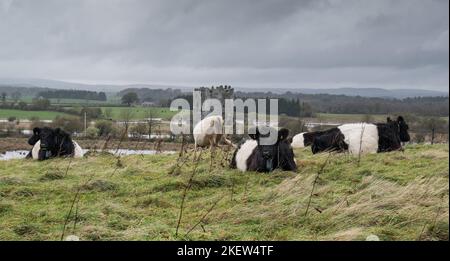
<point>265,152</point>
<point>362,138</point>
<point>306,139</point>
<point>49,143</point>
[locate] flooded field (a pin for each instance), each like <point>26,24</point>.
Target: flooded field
<point>15,154</point>
<point>17,144</point>
<point>21,154</point>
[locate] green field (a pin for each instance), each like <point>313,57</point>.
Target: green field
<point>396,196</point>
<point>344,118</point>
<point>77,101</point>
<point>137,113</point>
<point>117,113</point>
<point>349,117</point>
<point>24,115</point>
<point>111,99</point>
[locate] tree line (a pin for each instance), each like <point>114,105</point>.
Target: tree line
<point>162,97</point>
<point>73,94</point>
<point>301,105</point>
<point>326,103</point>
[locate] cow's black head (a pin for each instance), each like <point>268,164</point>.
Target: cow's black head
<point>276,153</point>
<point>53,142</point>
<point>403,133</point>
<point>286,154</point>
<point>402,128</point>
<point>33,139</point>
<point>47,141</point>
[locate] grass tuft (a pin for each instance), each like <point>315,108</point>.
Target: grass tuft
<point>52,175</point>
<point>100,186</point>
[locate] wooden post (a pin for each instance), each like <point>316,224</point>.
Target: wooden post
<point>432,136</point>
<point>85,125</point>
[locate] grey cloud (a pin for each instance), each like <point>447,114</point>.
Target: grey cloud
<point>319,43</point>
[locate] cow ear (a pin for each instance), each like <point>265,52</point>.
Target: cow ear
<point>290,139</point>
<point>283,134</point>
<point>388,119</point>
<point>400,119</point>
<point>36,130</point>
<point>61,132</point>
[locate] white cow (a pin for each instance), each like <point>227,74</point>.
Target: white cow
<point>209,132</point>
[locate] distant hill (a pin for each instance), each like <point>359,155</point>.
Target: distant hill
<point>53,84</point>
<point>363,92</point>
<point>24,91</point>
<point>110,88</point>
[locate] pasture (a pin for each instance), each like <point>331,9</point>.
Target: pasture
<point>396,196</point>
<point>343,118</point>
<point>349,118</point>
<point>116,113</point>
<point>74,102</point>
<point>139,113</point>
<point>136,113</point>
<point>25,115</point>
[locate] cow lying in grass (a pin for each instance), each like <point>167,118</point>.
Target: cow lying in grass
<point>362,138</point>
<point>209,132</point>
<point>305,139</point>
<point>253,155</point>
<point>330,140</point>
<point>49,143</point>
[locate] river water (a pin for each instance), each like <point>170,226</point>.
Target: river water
<point>21,154</point>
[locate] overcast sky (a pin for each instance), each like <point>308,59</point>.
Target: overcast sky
<point>268,43</point>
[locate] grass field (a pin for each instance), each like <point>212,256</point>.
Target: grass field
<point>23,115</point>
<point>110,100</point>
<point>139,112</point>
<point>116,113</point>
<point>334,117</point>
<point>396,196</point>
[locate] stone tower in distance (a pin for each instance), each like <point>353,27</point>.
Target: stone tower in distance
<point>220,92</point>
